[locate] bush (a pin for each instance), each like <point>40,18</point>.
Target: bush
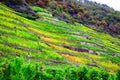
<point>55,12</point>
<point>38,9</point>
<point>93,74</point>
<point>105,75</point>
<point>82,73</point>
<point>17,70</point>
<point>65,15</point>
<point>118,74</point>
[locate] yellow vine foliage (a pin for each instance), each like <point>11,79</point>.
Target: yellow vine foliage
<point>40,32</point>
<point>109,65</point>
<point>95,56</point>
<point>35,31</point>
<point>57,47</point>
<point>64,49</point>
<point>48,39</point>
<point>74,59</point>
<point>53,40</point>
<point>45,33</point>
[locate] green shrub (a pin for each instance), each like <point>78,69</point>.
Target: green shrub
<point>38,9</point>
<point>82,71</point>
<point>66,16</point>
<point>105,75</point>
<point>118,74</point>
<point>93,74</point>
<point>18,69</point>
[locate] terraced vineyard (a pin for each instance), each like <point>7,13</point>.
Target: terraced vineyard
<point>55,44</point>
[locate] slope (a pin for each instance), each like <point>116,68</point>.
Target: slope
<point>50,41</point>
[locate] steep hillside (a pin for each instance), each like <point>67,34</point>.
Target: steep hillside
<point>50,42</point>
<point>94,15</point>
<point>99,17</point>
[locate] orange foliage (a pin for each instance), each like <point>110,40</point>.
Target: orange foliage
<point>30,1</point>
<point>72,20</point>
<point>78,15</point>
<point>73,6</point>
<point>103,22</point>
<point>64,6</point>
<point>45,39</point>
<point>112,71</point>
<point>74,59</point>
<point>41,3</point>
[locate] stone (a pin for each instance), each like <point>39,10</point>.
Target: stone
<point>114,54</point>
<point>83,42</point>
<point>91,52</point>
<point>85,37</point>
<point>75,65</point>
<point>99,53</point>
<point>93,64</point>
<point>23,8</point>
<point>91,44</point>
<point>76,48</point>
<point>55,19</point>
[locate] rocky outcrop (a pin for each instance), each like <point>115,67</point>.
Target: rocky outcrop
<point>93,64</point>
<point>76,48</point>
<point>91,52</point>
<point>22,7</point>
<point>112,54</point>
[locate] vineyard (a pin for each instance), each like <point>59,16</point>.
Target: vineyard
<point>51,49</point>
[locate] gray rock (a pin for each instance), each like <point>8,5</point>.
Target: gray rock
<point>23,8</point>
<point>91,52</point>
<point>55,20</point>
<point>93,64</point>
<point>91,44</point>
<point>99,53</point>
<point>114,54</point>
<point>83,42</point>
<point>84,37</point>
<point>75,65</point>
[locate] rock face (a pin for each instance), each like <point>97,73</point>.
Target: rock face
<point>91,52</point>
<point>99,53</point>
<point>93,64</point>
<point>114,54</point>
<point>76,49</point>
<point>22,7</point>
